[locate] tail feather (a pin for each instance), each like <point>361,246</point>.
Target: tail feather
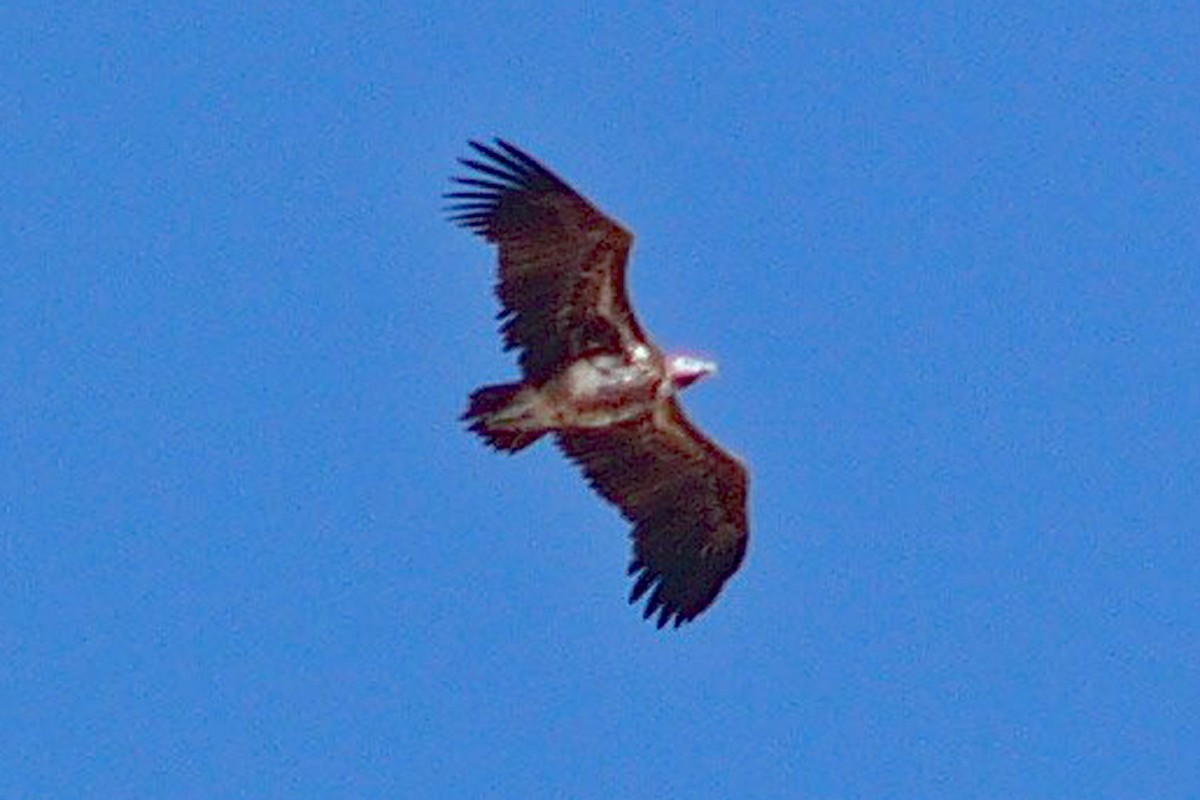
<point>486,412</point>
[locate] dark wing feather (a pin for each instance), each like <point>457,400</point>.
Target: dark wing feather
<point>686,498</point>
<point>562,262</point>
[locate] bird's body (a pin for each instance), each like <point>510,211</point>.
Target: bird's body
<point>592,392</point>
<point>594,380</point>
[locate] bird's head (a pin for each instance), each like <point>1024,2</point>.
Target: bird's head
<point>686,370</point>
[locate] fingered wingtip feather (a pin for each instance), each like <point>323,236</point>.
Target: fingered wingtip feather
<point>655,601</point>
<point>520,155</point>
<point>516,165</point>
<point>643,584</point>
<point>476,183</point>
<point>495,172</point>
<point>489,196</point>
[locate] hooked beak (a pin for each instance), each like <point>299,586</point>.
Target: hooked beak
<point>686,370</point>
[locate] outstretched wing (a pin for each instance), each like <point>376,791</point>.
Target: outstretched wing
<point>562,262</point>
<point>686,498</point>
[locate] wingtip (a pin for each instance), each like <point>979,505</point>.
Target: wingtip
<point>641,586</point>
<point>513,150</point>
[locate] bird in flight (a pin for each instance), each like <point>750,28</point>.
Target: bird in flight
<point>594,381</point>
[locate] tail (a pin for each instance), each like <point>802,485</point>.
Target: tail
<point>500,417</point>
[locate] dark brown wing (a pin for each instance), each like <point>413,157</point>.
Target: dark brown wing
<point>686,498</point>
<point>562,262</point>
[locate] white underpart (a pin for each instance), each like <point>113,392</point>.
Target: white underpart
<point>606,378</point>
<point>585,379</point>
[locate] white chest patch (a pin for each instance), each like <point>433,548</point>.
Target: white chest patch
<point>608,379</point>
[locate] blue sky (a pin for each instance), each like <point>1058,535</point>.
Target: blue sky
<point>946,255</point>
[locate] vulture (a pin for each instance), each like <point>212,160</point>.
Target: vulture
<point>595,382</point>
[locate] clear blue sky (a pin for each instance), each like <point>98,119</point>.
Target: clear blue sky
<point>947,256</point>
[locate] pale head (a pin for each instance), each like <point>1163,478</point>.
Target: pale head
<point>686,370</point>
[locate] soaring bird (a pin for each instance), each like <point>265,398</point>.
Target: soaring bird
<point>594,380</point>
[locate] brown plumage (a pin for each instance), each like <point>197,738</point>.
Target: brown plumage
<point>596,381</point>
